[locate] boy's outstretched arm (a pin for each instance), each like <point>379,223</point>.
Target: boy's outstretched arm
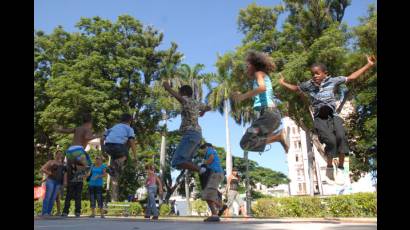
<point>293,88</point>
<point>371,60</point>
<point>172,92</point>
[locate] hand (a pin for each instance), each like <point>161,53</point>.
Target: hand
<point>371,60</point>
<point>237,97</point>
<point>281,79</point>
<point>166,85</point>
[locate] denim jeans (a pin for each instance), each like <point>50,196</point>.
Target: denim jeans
<point>52,188</point>
<point>73,191</point>
<point>152,209</point>
<point>96,193</point>
<point>186,148</point>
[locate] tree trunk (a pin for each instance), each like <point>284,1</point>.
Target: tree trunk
<point>228,142</point>
<point>248,191</point>
<point>170,190</point>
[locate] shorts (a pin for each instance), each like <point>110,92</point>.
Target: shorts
<point>187,148</point>
<point>332,133</point>
<point>268,121</point>
<point>233,196</point>
<point>211,190</point>
<point>116,150</point>
<point>76,154</point>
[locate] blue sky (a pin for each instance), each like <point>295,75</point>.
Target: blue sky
<point>201,28</point>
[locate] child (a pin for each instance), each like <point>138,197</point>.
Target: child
<point>54,170</point>
<point>151,183</point>
<point>95,185</point>
<point>266,128</point>
<point>210,192</point>
<point>192,133</point>
<point>327,123</point>
<point>118,139</point>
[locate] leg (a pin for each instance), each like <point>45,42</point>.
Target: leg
<point>47,197</point>
<point>280,137</point>
<point>341,139</point>
<point>186,149</point>
<point>77,197</point>
<point>92,191</point>
<point>241,203</point>
<point>68,197</point>
<point>100,200</point>
<point>56,187</point>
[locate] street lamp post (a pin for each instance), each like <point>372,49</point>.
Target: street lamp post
<point>248,191</point>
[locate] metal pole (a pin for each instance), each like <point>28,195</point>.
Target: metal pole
<point>187,192</point>
<point>248,191</point>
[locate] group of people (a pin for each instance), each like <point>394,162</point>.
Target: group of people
<point>265,129</point>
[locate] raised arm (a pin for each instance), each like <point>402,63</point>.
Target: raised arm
<point>371,60</point>
<point>172,92</point>
<point>293,88</point>
<point>237,97</point>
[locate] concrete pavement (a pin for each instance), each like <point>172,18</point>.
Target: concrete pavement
<point>109,223</point>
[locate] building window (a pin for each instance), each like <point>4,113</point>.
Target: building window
<point>297,158</point>
<point>299,145</point>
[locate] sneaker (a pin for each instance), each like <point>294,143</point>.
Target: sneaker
<point>222,210</point>
<point>92,216</point>
<point>340,176</point>
<point>77,215</point>
<point>146,217</point>
<point>212,219</point>
<point>155,217</point>
<point>102,216</point>
<point>64,215</point>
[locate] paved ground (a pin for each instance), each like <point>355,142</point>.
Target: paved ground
<point>196,224</point>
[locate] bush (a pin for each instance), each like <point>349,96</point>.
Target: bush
<point>134,209</point>
<point>199,206</point>
<point>355,205</point>
<point>165,209</point>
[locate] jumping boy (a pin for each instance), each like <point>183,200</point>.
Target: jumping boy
<point>327,123</point>
<point>266,128</point>
<point>190,129</point>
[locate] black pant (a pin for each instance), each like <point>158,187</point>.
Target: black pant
<point>74,190</point>
<point>96,193</point>
<point>116,150</point>
<point>332,133</point>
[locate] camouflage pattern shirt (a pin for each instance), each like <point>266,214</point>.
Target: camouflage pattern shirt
<point>189,115</point>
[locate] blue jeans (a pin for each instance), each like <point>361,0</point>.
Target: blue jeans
<point>186,148</point>
<point>52,188</point>
<point>95,193</point>
<point>152,209</point>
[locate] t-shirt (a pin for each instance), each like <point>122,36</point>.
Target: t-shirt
<point>264,99</point>
<point>215,166</point>
<point>190,113</point>
<point>119,134</point>
<point>97,171</point>
<point>57,172</point>
<point>324,94</point>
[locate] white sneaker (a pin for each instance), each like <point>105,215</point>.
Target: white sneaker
<point>340,176</point>
<point>330,178</point>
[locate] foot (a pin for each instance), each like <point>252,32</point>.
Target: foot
<point>222,210</point>
<point>146,217</point>
<point>92,216</point>
<point>77,215</point>
<point>212,219</point>
<point>155,217</point>
<point>64,215</point>
<point>340,176</point>
<point>102,216</point>
<point>283,141</point>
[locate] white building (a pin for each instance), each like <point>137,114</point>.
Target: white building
<point>281,190</point>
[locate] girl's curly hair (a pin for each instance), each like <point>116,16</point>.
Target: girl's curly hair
<point>261,61</point>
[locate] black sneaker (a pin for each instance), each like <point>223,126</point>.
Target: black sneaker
<point>77,215</point>
<point>212,219</point>
<point>155,218</point>
<point>222,210</point>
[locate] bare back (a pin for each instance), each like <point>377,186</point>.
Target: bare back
<point>82,135</point>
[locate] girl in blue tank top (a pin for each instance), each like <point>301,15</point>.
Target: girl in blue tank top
<point>259,65</point>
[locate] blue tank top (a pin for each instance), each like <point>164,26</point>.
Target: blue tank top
<point>264,99</point>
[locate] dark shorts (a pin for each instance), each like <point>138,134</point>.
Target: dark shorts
<point>269,119</point>
<point>332,133</point>
<point>116,150</point>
